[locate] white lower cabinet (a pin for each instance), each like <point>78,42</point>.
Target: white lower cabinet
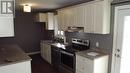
<point>21,67</point>
<point>46,51</point>
<point>86,65</point>
<point>83,65</point>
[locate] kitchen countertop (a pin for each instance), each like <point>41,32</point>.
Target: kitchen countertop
<point>85,53</point>
<point>47,41</point>
<point>12,54</point>
<point>50,42</point>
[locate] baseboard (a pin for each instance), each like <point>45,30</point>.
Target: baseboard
<point>32,53</point>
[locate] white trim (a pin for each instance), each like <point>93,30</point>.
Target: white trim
<point>122,7</point>
<point>114,41</point>
<point>82,4</point>
<point>32,53</point>
<point>115,34</point>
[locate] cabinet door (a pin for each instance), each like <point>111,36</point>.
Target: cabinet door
<point>78,16</point>
<point>50,21</point>
<point>83,65</point>
<point>73,17</point>
<point>6,26</point>
<point>61,20</point>
<point>44,51</point>
<point>41,17</point>
<point>102,17</point>
<point>98,17</point>
<point>88,18</point>
<point>64,19</point>
<point>68,18</point>
<point>79,64</point>
<point>48,53</point>
<point>88,65</point>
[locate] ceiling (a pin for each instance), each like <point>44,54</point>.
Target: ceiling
<point>48,4</point>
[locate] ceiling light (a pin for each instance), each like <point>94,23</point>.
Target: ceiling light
<point>27,8</point>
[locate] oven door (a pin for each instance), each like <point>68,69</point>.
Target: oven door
<point>67,60</point>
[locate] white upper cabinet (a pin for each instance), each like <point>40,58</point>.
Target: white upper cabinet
<point>48,18</point>
<point>50,21</point>
<point>94,16</point>
<point>102,17</point>
<point>88,18</point>
<point>41,17</point>
<point>63,19</point>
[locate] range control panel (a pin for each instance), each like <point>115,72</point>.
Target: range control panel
<point>81,41</point>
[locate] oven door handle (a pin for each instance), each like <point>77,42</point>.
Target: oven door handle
<point>67,53</point>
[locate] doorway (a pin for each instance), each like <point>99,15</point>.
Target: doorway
<point>121,40</point>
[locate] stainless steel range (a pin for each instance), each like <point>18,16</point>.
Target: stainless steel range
<point>67,54</point>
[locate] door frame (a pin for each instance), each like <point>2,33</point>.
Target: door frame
<point>115,34</point>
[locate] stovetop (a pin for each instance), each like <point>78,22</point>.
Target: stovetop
<point>74,48</point>
<point>76,45</point>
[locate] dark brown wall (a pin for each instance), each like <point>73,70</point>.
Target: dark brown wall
<point>28,33</point>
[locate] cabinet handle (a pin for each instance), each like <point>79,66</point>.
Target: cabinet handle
<point>117,55</point>
<point>118,50</point>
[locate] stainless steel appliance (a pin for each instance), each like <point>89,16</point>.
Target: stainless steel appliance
<point>67,54</point>
<point>55,57</point>
<point>67,62</point>
<point>75,29</point>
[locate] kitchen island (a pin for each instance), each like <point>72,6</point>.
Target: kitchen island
<point>14,60</point>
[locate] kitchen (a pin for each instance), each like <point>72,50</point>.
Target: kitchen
<point>29,32</point>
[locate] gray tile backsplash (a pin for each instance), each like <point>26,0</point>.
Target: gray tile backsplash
<point>105,40</point>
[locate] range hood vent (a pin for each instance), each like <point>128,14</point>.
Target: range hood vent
<point>75,29</point>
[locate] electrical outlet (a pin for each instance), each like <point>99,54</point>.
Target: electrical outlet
<point>97,44</point>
